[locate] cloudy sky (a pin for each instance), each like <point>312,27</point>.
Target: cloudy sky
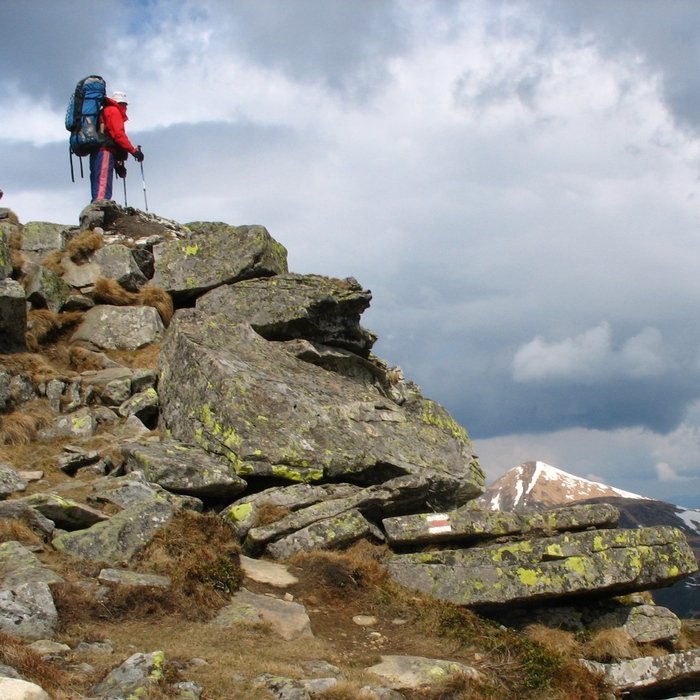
<point>515,181</point>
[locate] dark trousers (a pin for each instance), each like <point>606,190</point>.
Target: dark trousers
<point>101,174</point>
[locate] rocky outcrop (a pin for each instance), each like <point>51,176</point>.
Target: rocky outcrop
<point>269,408</point>
<point>604,561</point>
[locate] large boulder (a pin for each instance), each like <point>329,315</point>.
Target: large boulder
<point>603,561</point>
<point>39,238</point>
<point>218,254</point>
<point>284,307</point>
<point>225,388</point>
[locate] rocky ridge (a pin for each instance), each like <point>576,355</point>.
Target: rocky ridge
<point>266,396</point>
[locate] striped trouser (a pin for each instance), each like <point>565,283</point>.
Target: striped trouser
<point>101,174</point>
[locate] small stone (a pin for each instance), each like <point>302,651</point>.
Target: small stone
<point>364,620</point>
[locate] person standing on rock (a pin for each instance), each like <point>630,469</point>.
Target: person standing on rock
<point>110,157</point>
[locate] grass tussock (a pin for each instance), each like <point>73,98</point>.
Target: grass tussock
<point>341,575</point>
<point>143,358</point>
<point>54,262</point>
<point>14,530</point>
<point>45,326</point>
<point>21,427</point>
<point>84,360</point>
<point>556,641</point>
<point>611,644</point>
<point>31,364</point>
<point>82,246</point>
<point>109,291</point>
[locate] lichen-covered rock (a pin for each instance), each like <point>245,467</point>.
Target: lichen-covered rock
<point>401,494</point>
<point>27,610</point>
<point>35,521</point>
<point>225,388</point>
<point>469,523</point>
<point>143,405</point>
<point>139,674</point>
<point>79,424</point>
<point>18,565</point>
<point>44,288</point>
<point>243,513</point>
<point>117,262</point>
<point>334,533</point>
<point>120,327</point>
<point>65,512</point>
<point>409,672</point>
<point>679,671</point>
<point>551,567</point>
<point>320,309</point>
<point>183,469</point>
<point>133,579</point>
<point>117,540</point>
<point>39,238</point>
<point>187,268</point>
<point>5,262</point>
<point>646,624</point>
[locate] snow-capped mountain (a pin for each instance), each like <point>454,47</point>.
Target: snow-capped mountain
<point>536,484</point>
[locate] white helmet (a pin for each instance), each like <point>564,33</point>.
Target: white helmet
<point>119,96</point>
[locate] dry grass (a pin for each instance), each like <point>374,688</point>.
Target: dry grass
<point>54,262</point>
<point>143,358</point>
<point>34,365</point>
<point>610,645</point>
<point>268,513</point>
<point>60,683</point>
<point>13,530</point>
<point>555,641</point>
<point>82,246</point>
<point>21,427</point>
<point>45,326</point>
<point>109,291</point>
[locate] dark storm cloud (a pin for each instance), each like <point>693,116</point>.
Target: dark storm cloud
<point>343,45</point>
<point>663,34</point>
<point>48,46</point>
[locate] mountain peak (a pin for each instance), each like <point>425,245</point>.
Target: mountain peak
<point>537,483</point>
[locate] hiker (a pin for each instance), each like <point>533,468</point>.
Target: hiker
<point>110,158</point>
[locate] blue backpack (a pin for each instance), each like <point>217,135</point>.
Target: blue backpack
<point>83,117</point>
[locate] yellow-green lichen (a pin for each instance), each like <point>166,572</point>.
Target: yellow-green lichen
<point>239,512</point>
<point>434,415</point>
<point>528,577</point>
<point>191,249</point>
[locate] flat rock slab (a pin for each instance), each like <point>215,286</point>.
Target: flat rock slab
<point>133,579</point>
<point>268,572</point>
<point>681,672</point>
<point>17,689</point>
<point>407,672</point>
<point>184,469</point>
<point>468,524</point>
<point>550,567</point>
<point>228,390</point>
<point>65,513</point>
<point>288,619</point>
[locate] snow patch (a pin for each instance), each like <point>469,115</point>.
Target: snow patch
<point>691,518</point>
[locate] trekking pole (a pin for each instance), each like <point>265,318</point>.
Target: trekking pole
<point>125,204</point>
<point>143,182</point>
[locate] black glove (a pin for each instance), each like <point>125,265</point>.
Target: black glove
<point>138,154</point>
<point>120,169</point>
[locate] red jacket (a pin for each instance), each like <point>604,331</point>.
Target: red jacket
<point>113,118</point>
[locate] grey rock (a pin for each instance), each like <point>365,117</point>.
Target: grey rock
<point>287,619</point>
<point>80,424</point>
<point>469,523</point>
<point>183,469</point>
<point>644,623</point>
<point>18,565</point>
<point>268,572</point>
<point>139,673</point>
<point>133,579</point>
<point>13,316</point>
<point>334,533</point>
<point>228,390</point>
<point>10,481</point>
<point>39,238</point>
<point>319,309</point>
<point>243,513</point>
<point>679,671</point>
<point>120,327</point>
<point>190,267</point>
<point>144,405</point>
<point>613,561</point>
<point>28,611</point>
<point>44,288</point>
<point>117,262</point>
<point>409,672</point>
<point>5,262</point>
<point>65,513</point>
<point>117,540</point>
